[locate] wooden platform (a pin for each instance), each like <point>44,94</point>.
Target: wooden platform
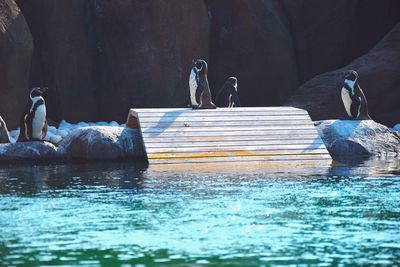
<point>265,135</point>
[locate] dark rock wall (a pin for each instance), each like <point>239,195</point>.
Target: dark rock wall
<point>64,58</point>
<point>102,57</point>
<point>16,48</point>
<point>330,34</point>
<point>250,40</point>
<point>144,52</point>
<point>379,72</point>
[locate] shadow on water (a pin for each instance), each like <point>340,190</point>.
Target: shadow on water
<point>350,166</point>
<point>29,178</point>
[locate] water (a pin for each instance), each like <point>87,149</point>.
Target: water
<point>119,214</point>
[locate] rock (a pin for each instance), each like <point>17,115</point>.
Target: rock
<point>65,56</point>
<point>352,138</point>
<point>131,52</point>
<point>128,52</point>
<point>62,133</point>
<point>15,58</point>
<point>101,143</point>
<point>329,34</point>
<point>150,66</point>
<point>28,151</point>
<point>379,78</point>
<point>254,45</point>
<point>53,138</point>
<point>397,133</point>
<point>4,136</point>
<point>113,123</point>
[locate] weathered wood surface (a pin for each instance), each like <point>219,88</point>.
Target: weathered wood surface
<point>238,135</point>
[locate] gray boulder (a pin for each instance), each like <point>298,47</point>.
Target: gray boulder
<point>4,137</point>
<point>357,138</point>
<point>27,151</point>
<point>102,143</point>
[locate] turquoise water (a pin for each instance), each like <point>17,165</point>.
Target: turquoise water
<point>119,214</point>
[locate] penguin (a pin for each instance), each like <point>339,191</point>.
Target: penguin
<point>353,97</point>
<point>33,124</point>
<point>228,95</point>
<point>199,90</point>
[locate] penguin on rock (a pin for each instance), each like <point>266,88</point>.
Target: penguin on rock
<point>354,100</point>
<point>33,123</point>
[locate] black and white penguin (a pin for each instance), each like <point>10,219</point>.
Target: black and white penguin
<point>199,90</point>
<point>228,95</point>
<point>33,124</point>
<point>353,97</point>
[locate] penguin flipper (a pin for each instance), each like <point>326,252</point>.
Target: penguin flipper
<point>22,132</point>
<point>236,100</point>
<point>28,125</point>
<point>355,107</point>
<point>44,130</point>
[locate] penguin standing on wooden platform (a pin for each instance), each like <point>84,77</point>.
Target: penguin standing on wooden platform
<point>353,97</point>
<point>33,124</point>
<point>199,90</point>
<point>228,95</point>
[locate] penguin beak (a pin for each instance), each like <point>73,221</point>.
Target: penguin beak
<point>194,61</point>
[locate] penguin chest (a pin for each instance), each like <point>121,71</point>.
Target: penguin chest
<point>231,104</point>
<point>193,85</point>
<point>38,121</point>
<point>347,101</point>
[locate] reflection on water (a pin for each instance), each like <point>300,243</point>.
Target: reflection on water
<point>120,213</point>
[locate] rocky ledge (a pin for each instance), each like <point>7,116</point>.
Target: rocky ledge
<point>352,138</point>
<point>28,151</point>
<point>89,143</point>
<point>102,142</point>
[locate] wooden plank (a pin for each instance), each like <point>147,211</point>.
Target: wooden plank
<point>299,148</point>
<point>221,154</point>
<point>212,124</point>
<point>219,110</point>
<point>220,138</point>
<point>284,158</point>
<point>221,114</point>
<point>232,153</point>
<point>226,129</point>
<point>294,133</point>
<point>226,118</point>
<point>284,134</point>
<point>225,143</point>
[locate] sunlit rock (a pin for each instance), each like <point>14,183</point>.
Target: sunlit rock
<point>102,142</point>
<point>357,138</point>
<point>28,151</point>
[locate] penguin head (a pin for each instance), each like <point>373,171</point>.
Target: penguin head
<point>351,75</point>
<point>200,65</point>
<point>233,81</point>
<point>37,91</point>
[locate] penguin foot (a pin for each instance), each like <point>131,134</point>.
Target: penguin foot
<point>37,139</point>
<point>210,106</point>
<point>349,119</point>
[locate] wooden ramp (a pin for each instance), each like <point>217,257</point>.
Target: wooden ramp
<point>238,135</point>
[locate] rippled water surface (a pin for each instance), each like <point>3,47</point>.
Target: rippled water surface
<point>118,214</point>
